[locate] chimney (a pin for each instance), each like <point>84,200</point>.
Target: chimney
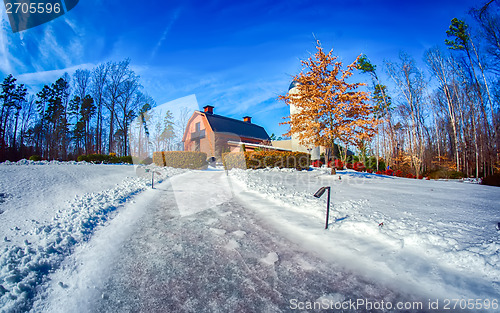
<point>209,109</point>
<point>247,119</point>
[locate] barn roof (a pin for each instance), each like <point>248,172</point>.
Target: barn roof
<point>222,124</point>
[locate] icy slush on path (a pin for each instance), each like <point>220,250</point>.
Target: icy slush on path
<point>221,258</point>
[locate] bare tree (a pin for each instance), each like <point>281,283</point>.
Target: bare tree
<point>440,68</point>
<point>118,74</point>
<point>181,123</point>
<point>410,82</point>
<point>99,78</point>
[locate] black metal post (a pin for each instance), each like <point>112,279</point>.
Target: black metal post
<point>153,180</point>
<point>327,208</point>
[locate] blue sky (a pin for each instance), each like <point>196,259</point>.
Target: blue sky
<point>235,55</point>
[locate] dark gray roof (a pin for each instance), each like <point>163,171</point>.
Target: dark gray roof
<point>222,124</point>
<point>293,84</point>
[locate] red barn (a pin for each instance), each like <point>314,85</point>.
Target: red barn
<point>215,134</point>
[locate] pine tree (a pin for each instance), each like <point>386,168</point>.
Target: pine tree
<point>7,98</point>
<point>382,106</point>
<point>19,98</point>
<point>329,108</point>
<point>87,110</point>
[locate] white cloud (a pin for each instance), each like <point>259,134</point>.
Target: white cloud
<point>47,77</point>
<point>50,48</point>
<point>5,57</point>
<point>165,32</point>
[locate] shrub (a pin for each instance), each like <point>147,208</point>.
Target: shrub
<point>96,158</point>
<point>492,180</point>
<point>234,160</point>
<point>317,163</point>
<point>371,162</point>
<point>105,159</point>
<point>181,159</point>
<point>456,175</point>
<point>398,173</point>
<point>35,158</point>
<point>264,159</point>
<point>443,173</point>
<point>359,166</point>
<point>381,164</point>
<point>352,159</point>
<point>126,159</point>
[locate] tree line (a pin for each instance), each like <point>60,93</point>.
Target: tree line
<point>89,112</point>
<point>443,117</point>
<point>446,115</point>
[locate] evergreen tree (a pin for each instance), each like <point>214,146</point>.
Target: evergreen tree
<point>19,98</point>
<point>8,102</point>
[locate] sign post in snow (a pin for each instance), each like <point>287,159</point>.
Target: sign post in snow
<point>147,170</point>
<point>318,194</point>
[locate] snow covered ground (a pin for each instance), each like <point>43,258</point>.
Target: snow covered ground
<point>428,238</point>
<point>50,207</point>
<point>94,238</point>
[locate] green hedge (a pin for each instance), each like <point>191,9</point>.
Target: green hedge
<point>35,158</point>
<point>264,159</point>
<point>443,173</point>
<point>104,158</point>
<point>181,159</point>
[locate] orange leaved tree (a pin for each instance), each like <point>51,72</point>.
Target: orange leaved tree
<point>328,109</point>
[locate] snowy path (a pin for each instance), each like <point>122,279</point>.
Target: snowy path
<point>221,256</point>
